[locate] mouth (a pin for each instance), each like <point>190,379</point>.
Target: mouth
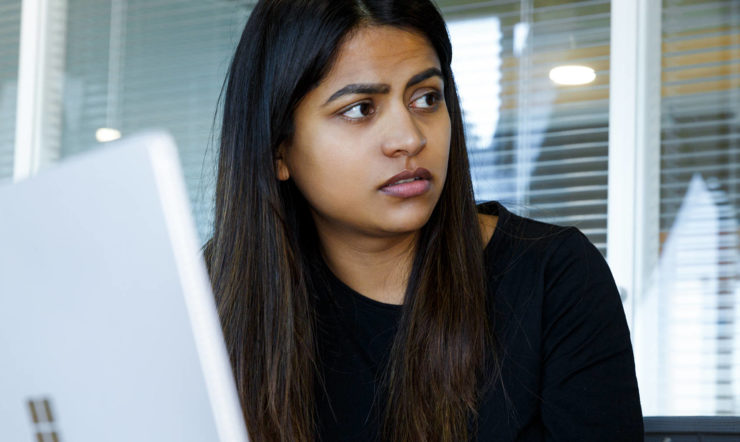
<point>408,183</point>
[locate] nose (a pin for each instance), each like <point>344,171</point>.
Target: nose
<point>402,135</point>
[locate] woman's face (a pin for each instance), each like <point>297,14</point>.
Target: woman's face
<point>371,142</point>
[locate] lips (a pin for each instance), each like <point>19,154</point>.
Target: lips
<point>408,183</point>
<point>407,176</point>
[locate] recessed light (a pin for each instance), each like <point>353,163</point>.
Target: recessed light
<point>572,75</point>
<point>105,134</point>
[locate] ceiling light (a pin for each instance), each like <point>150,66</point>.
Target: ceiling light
<point>572,75</point>
<point>105,134</point>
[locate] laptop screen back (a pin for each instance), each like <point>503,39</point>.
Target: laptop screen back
<point>108,329</point>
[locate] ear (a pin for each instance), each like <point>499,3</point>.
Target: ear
<point>281,166</point>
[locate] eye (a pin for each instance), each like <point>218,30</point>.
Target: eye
<point>428,101</point>
<point>358,111</point>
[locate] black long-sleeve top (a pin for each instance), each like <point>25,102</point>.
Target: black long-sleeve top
<point>568,370</point>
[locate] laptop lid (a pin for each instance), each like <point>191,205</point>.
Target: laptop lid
<point>108,328</point>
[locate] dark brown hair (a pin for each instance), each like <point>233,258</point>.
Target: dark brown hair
<point>264,239</point>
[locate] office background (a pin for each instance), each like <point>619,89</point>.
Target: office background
<point>644,156</point>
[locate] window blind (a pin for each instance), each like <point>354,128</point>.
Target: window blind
<point>133,65</point>
<point>10,30</point>
<point>544,151</point>
<point>698,299</point>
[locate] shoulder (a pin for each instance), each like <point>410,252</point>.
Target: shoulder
<point>533,266</point>
<point>561,259</point>
<point>555,271</point>
<point>514,241</point>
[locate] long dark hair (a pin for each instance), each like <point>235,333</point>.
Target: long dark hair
<point>260,254</point>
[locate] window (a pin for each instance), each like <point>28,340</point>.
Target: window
<point>689,337</point>
<point>133,65</point>
<point>10,31</point>
<point>539,147</point>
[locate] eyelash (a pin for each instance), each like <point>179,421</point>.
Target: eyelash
<point>435,95</point>
<point>344,112</point>
<point>431,94</point>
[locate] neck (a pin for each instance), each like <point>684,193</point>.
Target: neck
<point>378,267</point>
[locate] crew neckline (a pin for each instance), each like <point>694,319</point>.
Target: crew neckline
<point>487,208</point>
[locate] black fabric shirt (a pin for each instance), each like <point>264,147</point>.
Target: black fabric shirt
<point>568,370</point>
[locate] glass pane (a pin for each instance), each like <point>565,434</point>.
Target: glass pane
<point>133,65</point>
<point>694,368</point>
<point>10,31</point>
<point>537,145</point>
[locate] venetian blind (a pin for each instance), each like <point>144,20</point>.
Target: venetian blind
<point>133,65</point>
<point>698,300</point>
<point>10,29</point>
<point>539,148</point>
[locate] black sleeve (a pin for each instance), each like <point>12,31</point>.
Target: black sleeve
<point>589,389</point>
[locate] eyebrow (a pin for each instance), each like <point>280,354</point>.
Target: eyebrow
<point>382,88</point>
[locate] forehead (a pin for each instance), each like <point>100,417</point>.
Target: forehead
<point>381,54</point>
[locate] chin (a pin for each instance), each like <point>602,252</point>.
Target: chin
<point>408,220</point>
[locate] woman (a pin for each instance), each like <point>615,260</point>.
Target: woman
<point>361,294</point>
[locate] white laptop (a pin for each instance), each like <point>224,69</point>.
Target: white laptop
<point>108,328</point>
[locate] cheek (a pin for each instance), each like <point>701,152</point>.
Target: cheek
<point>447,136</point>
<point>441,133</point>
<point>326,173</point>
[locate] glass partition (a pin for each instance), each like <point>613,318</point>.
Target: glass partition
<point>533,76</point>
<point>10,31</point>
<point>133,65</point>
<point>690,363</point>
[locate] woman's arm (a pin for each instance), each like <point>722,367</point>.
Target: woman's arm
<point>589,388</point>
